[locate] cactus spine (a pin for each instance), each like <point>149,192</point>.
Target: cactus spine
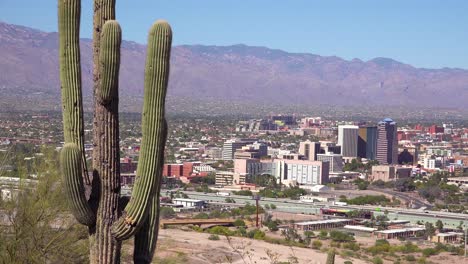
<point>108,222</point>
<point>331,257</point>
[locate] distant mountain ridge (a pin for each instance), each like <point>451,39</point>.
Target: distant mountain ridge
<point>29,65</point>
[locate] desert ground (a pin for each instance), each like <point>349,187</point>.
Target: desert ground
<point>192,247</point>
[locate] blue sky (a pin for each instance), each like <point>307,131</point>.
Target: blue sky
<point>424,33</point>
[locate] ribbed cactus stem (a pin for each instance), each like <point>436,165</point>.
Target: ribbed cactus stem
<point>109,61</point>
<point>70,163</point>
<point>147,236</point>
<point>331,257</point>
<point>153,137</point>
<point>70,75</point>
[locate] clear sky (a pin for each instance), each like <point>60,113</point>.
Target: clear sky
<point>424,33</point>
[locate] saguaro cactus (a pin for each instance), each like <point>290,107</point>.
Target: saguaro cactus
<point>108,222</point>
<point>331,257</point>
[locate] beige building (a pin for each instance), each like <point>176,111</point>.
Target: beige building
<point>446,238</point>
<point>309,149</point>
<point>389,173</point>
<point>224,178</point>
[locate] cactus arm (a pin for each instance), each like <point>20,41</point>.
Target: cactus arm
<point>109,61</point>
<point>147,236</point>
<point>70,163</point>
<point>70,76</point>
<point>153,138</point>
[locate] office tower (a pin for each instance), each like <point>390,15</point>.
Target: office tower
<point>367,142</point>
<point>387,143</point>
<point>256,150</point>
<point>335,160</point>
<point>309,149</point>
<point>230,146</point>
<point>348,140</point>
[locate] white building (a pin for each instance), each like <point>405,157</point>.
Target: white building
<point>189,202</point>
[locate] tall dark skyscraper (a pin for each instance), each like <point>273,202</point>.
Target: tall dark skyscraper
<point>367,142</point>
<point>387,142</point>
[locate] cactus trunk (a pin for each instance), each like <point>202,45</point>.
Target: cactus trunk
<point>106,156</point>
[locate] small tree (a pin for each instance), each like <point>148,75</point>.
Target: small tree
<point>38,227</point>
<point>430,229</point>
<point>323,234</point>
<point>239,222</point>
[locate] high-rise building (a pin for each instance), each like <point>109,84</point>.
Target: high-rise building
<point>387,142</point>
<point>252,151</point>
<point>230,146</point>
<point>348,140</point>
<point>309,149</point>
<point>335,160</point>
<point>367,142</point>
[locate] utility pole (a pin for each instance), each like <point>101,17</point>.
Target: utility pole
<point>466,236</point>
<point>256,198</point>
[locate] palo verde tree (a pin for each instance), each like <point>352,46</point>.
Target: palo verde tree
<point>109,221</point>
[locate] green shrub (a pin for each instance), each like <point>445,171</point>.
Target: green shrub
<point>348,262</point>
<point>317,244</point>
<point>347,253</point>
<point>201,216</point>
<point>213,237</point>
<point>259,235</point>
<point>377,260</point>
<point>239,222</point>
<point>410,258</point>
<point>256,234</point>
<point>380,246</point>
<point>409,247</point>
<point>429,252</point>
<point>338,236</point>
<point>166,212</point>
<point>323,234</point>
<point>422,260</point>
<point>352,246</point>
<point>197,228</point>
<point>335,244</point>
<point>242,231</point>
<point>221,230</point>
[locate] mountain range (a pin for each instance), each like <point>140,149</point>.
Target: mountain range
<point>237,73</point>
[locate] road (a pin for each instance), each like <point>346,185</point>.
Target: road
<point>292,206</point>
<point>417,202</point>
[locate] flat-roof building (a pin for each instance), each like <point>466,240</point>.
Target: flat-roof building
<point>401,233</point>
<point>189,202</point>
<point>389,173</point>
<point>446,238</point>
<point>322,224</point>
